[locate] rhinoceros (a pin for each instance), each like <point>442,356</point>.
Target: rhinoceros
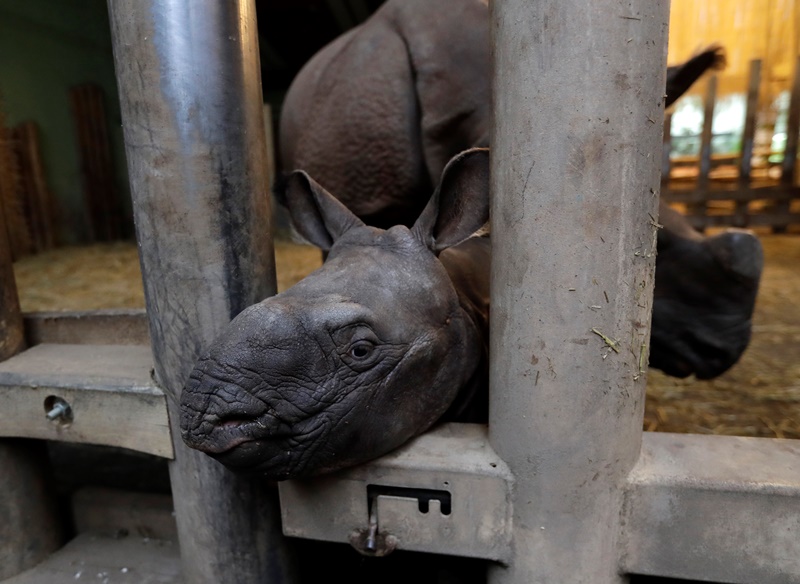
<point>376,114</point>
<point>389,336</point>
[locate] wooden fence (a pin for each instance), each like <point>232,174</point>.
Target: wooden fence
<point>728,189</point>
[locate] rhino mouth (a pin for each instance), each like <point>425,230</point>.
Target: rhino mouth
<point>255,456</point>
<point>249,446</point>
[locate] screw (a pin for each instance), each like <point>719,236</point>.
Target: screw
<point>371,544</point>
<point>60,410</point>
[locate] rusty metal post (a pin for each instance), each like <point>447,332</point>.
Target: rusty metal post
<point>578,102</point>
<point>29,526</point>
<point>190,88</point>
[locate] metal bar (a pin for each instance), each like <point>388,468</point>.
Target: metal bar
<point>453,458</point>
<point>190,91</point>
<point>715,508</point>
<point>107,390</point>
<point>90,327</point>
<point>748,139</point>
<point>574,183</point>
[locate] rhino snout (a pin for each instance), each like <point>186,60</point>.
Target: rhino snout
<point>739,252</point>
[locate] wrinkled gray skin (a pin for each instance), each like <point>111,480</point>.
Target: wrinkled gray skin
<point>370,350</point>
<point>376,114</point>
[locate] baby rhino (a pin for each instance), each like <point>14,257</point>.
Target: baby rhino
<point>389,336</point>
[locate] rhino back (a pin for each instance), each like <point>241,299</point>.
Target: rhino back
<point>376,114</point>
<point>350,119</point>
<point>449,49</point>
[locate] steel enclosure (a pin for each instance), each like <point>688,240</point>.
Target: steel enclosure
<point>189,81</point>
<point>716,508</point>
<point>454,459</point>
<point>578,102</point>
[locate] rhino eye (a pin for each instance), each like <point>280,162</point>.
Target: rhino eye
<point>361,350</point>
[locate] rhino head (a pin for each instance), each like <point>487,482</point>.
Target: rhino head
<point>360,356</point>
<point>705,294</point>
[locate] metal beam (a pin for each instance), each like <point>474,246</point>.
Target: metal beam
<point>444,492</point>
<point>90,327</point>
<point>714,508</point>
<point>575,174</point>
<point>107,392</point>
<point>190,91</point>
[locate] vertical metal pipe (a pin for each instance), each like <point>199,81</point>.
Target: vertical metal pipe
<point>578,102</point>
<point>190,91</point>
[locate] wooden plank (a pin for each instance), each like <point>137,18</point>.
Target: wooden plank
<point>748,140</point>
<point>80,132</point>
<point>94,327</point>
<point>11,204</point>
<point>771,219</point>
<point>707,133</point>
<point>12,340</point>
<point>103,206</point>
<point>790,154</point>
<point>115,219</point>
<point>109,389</point>
<point>666,148</point>
<point>39,202</point>
<point>699,206</point>
<point>107,560</point>
<point>735,193</point>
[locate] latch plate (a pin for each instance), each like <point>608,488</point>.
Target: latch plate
<point>445,492</point>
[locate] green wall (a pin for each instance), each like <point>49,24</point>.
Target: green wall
<point>47,46</point>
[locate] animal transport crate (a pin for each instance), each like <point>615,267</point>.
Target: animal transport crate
<point>562,486</point>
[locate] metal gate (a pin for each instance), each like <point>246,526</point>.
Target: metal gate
<point>563,486</point>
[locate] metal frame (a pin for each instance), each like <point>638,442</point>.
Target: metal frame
<point>576,493</point>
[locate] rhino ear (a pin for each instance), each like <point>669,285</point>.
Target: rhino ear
<point>460,205</point>
<point>316,214</point>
